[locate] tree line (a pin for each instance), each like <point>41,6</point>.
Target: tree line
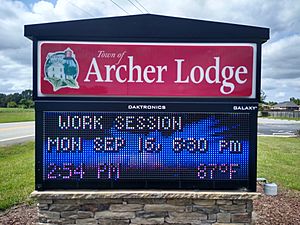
<point>17,100</point>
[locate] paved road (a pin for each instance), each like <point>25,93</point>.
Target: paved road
<point>277,127</point>
<point>12,133</point>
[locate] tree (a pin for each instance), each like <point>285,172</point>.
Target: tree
<point>24,99</point>
<point>26,103</point>
<point>3,102</point>
<point>27,94</point>
<point>15,97</point>
<point>272,103</point>
<point>295,100</point>
<point>12,104</point>
<point>263,97</point>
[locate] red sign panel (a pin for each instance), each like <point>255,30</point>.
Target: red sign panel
<point>146,69</point>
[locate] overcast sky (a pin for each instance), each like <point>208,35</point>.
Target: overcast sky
<point>281,54</point>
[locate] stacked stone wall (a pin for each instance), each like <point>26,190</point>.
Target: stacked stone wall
<point>145,207</point>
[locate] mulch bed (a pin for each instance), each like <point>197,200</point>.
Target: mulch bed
<point>281,209</point>
<point>19,215</point>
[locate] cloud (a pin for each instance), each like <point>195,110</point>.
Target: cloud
<point>280,94</point>
<point>280,67</point>
<point>274,88</point>
<point>281,58</point>
<point>14,76</point>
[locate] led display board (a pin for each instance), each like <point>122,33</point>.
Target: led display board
<point>207,147</point>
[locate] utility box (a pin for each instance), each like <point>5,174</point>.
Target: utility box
<point>146,102</point>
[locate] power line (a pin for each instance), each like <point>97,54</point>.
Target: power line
<point>142,6</point>
<point>119,7</point>
<point>136,6</point>
<point>80,8</point>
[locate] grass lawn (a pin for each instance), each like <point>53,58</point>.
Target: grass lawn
<point>8,115</point>
<point>16,174</point>
<point>279,160</point>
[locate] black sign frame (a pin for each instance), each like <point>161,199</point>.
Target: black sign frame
<point>154,29</point>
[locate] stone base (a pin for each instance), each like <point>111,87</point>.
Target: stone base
<point>144,207</point>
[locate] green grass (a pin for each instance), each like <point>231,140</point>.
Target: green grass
<point>279,160</point>
<point>8,115</point>
<point>16,174</point>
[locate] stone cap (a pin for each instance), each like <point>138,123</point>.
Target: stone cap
<point>144,194</point>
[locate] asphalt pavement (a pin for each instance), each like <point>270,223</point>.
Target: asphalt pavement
<point>13,133</point>
<point>276,127</point>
